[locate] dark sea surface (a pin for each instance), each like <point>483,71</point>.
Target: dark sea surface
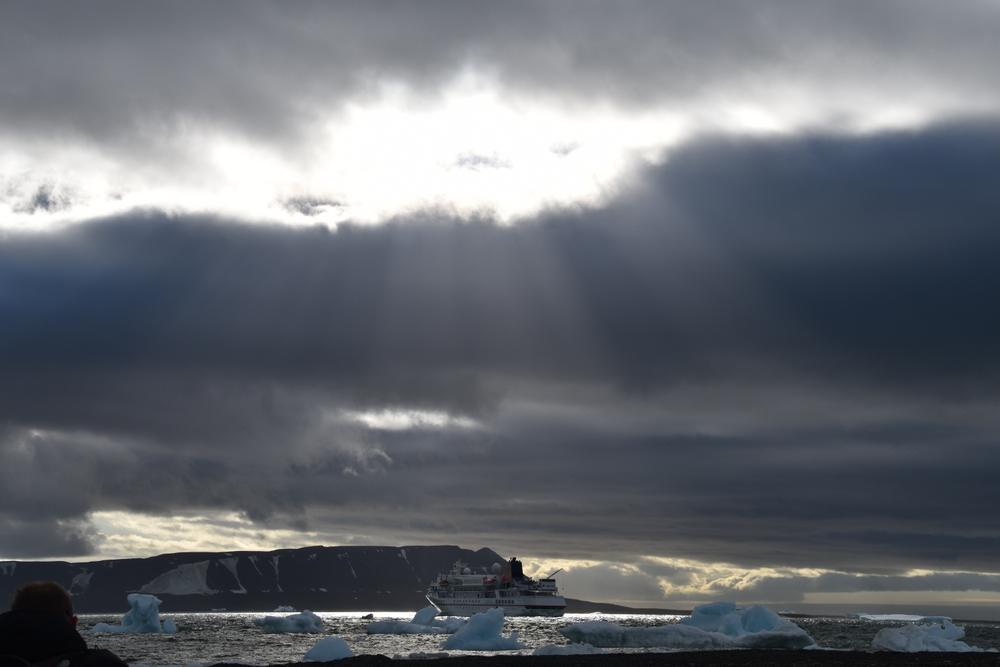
<point>233,637</point>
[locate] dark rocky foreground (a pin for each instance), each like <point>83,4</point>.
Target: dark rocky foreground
<point>721,658</point>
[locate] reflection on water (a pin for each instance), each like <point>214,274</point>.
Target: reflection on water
<point>233,637</point>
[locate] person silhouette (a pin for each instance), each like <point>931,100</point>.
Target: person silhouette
<point>40,630</point>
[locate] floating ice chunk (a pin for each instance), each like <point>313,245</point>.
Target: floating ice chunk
<point>906,618</point>
<point>327,649</point>
<point>941,636</point>
<point>709,617</point>
<point>305,621</point>
<point>482,633</point>
<point>450,625</point>
<point>753,627</point>
<point>425,615</point>
<point>597,633</point>
<point>724,617</point>
<point>714,626</point>
<point>423,623</point>
<point>285,608</point>
<point>566,649</point>
<point>144,616</point>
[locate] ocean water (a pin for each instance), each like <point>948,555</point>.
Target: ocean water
<point>233,637</point>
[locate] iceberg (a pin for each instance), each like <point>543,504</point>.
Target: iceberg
<point>566,649</point>
<point>718,625</point>
<point>940,636</point>
<point>902,617</point>
<point>302,622</point>
<point>423,623</point>
<point>482,633</point>
<point>327,649</point>
<point>143,616</point>
<point>753,627</point>
<point>425,616</point>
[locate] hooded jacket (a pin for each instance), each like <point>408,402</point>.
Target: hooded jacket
<point>38,637</point>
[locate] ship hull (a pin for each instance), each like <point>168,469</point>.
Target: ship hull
<point>468,607</point>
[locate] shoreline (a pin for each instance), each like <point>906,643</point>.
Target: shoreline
<point>722,658</point>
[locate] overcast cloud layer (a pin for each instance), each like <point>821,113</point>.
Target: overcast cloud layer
<point>115,69</point>
<point>762,364</point>
<point>355,111</point>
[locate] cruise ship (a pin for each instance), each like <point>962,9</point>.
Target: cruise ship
<point>463,592</point>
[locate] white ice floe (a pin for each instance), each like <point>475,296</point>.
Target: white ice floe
<point>144,616</point>
<point>423,623</point>
<point>940,636</point>
<point>713,626</point>
<point>482,633</point>
<point>327,649</point>
<point>566,649</point>
<point>425,616</point>
<point>305,621</point>
<point>285,608</point>
<point>902,617</point>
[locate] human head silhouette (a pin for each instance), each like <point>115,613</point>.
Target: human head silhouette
<point>44,596</point>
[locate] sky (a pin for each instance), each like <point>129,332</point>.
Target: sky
<point>694,300</point>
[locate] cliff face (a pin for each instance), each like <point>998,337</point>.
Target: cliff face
<point>316,578</point>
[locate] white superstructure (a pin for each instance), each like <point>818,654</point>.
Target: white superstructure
<point>462,592</point>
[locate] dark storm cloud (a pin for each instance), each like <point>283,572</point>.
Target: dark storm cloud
<point>120,71</point>
<point>896,233</point>
<point>769,352</point>
<point>44,539</point>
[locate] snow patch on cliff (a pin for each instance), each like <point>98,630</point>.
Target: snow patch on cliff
<point>253,561</point>
<point>348,558</point>
<point>80,583</point>
<point>277,576</point>
<point>231,565</point>
<point>186,579</point>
